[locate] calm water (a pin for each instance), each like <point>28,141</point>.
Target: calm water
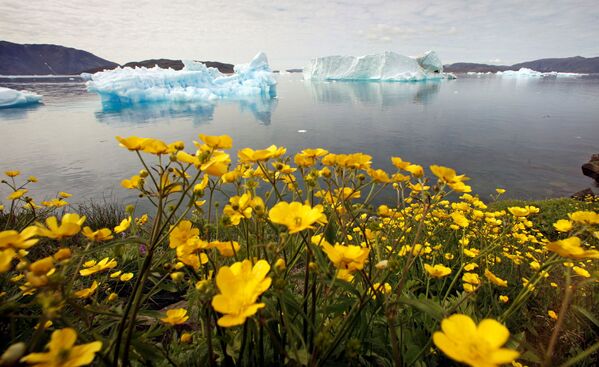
<point>528,136</point>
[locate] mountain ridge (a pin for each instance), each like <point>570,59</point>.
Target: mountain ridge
<point>575,64</point>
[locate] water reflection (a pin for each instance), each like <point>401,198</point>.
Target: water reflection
<point>382,94</point>
<point>17,113</point>
<point>260,107</point>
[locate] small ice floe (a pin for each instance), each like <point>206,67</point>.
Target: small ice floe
<point>301,131</point>
<point>13,98</point>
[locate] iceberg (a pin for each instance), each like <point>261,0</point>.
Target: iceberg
<point>387,66</point>
<point>195,82</point>
<point>13,98</point>
<point>529,73</point>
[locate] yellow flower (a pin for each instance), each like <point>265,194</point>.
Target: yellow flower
<point>477,346</point>
<point>471,278</point>
<point>132,183</point>
<point>495,279</point>
<point>307,157</point>
<point>87,292</point>
<point>582,272</point>
<point>415,170</point>
<point>348,258</point>
<point>571,248</point>
<point>18,240</point>
<point>70,225</point>
<point>182,234</point>
<point>552,314</point>
<point>470,266</point>
<point>460,219</point>
<point>131,143</point>
<point>504,299</point>
<point>6,257</point>
<point>226,248</point>
<point>126,277</point>
<point>112,296</point>
<point>186,338</point>
<point>585,217</point>
<point>437,271</point>
<point>56,203</point>
<point>240,285</point>
<point>399,163</point>
<point>32,179</point>
<point>217,165</point>
<point>248,155</point>
<point>240,207</point>
<point>100,235</point>
<point>563,225</point>
<point>500,191</point>
<point>296,216</point>
<point>217,142</point>
<point>17,194</point>
<point>175,317</point>
<point>379,175</point>
<point>123,226</point>
<point>42,266</point>
<point>64,195</point>
<point>63,352</point>
<point>102,265</point>
<point>14,173</point>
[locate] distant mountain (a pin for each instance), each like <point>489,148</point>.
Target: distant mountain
<point>577,64</point>
<point>39,59</point>
<point>167,63</point>
<point>464,67</point>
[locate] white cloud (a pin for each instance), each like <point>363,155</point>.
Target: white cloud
<point>292,32</point>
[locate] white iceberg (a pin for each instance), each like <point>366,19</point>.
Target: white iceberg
<point>529,73</point>
<point>12,98</point>
<point>388,66</point>
<point>195,82</point>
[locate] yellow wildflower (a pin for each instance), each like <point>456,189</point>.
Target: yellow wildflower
<point>102,265</point>
<point>217,142</point>
<point>175,317</point>
<point>63,352</point>
<point>70,225</point>
<point>563,225</point>
<point>571,248</point>
<point>504,299</point>
<point>13,173</point>
<point>475,345</point>
<point>296,216</point>
<point>348,258</point>
<point>126,277</point>
<point>495,279</point>
<point>87,292</point>
<point>186,338</point>
<point>437,271</point>
<point>585,217</point>
<point>132,183</point>
<point>123,226</point>
<point>248,155</point>
<point>240,285</point>
<point>582,272</point>
<point>226,248</point>
<point>17,194</point>
<point>552,314</point>
<point>100,235</point>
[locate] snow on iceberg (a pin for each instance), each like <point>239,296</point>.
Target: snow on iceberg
<point>388,66</point>
<point>12,98</point>
<point>529,73</point>
<point>195,82</point>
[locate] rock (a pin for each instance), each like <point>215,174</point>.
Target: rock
<point>583,194</point>
<point>591,168</point>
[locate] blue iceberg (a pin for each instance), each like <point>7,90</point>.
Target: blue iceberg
<point>195,82</point>
<point>387,66</point>
<point>14,98</point>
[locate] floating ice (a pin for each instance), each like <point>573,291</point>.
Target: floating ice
<point>388,66</point>
<point>12,98</point>
<point>195,82</point>
<point>529,73</point>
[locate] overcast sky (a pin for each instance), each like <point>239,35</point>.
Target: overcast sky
<point>291,31</point>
